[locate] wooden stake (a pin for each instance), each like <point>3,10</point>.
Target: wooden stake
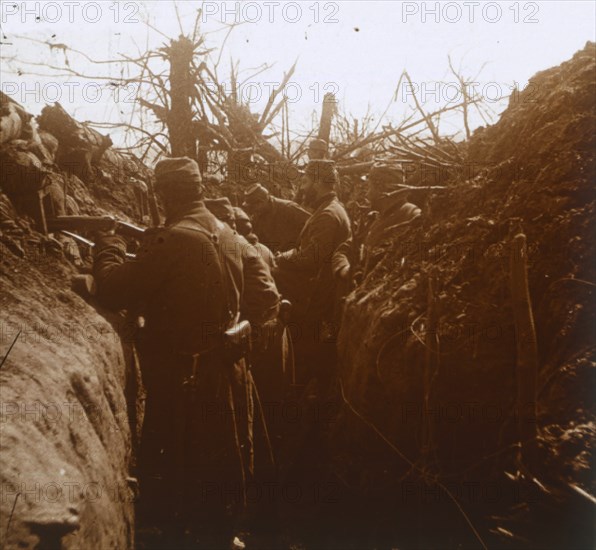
<point>430,342</point>
<point>329,109</point>
<point>525,335</point>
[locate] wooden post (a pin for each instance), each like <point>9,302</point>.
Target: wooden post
<point>525,336</point>
<point>430,366</point>
<point>329,108</point>
<point>179,118</point>
<point>318,148</point>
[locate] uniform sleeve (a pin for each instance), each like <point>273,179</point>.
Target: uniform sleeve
<point>123,283</point>
<point>341,256</point>
<point>317,251</point>
<point>260,299</point>
<point>265,254</point>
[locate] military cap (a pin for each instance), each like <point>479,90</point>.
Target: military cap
<point>221,208</point>
<point>240,215</point>
<point>385,177</point>
<point>178,172</point>
<point>243,155</point>
<point>319,145</point>
<point>322,171</point>
<point>256,193</point>
<point>243,223</point>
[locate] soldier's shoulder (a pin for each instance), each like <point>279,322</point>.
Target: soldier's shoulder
<point>153,240</point>
<point>154,235</point>
<point>192,229</point>
<point>286,203</point>
<point>335,207</point>
<point>159,238</point>
<point>297,211</point>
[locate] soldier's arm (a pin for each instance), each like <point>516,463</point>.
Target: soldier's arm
<point>340,261</point>
<point>265,254</point>
<point>260,299</point>
<point>123,283</point>
<point>319,250</point>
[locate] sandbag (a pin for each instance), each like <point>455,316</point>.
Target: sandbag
<point>49,142</point>
<point>22,171</point>
<point>80,147</point>
<point>11,125</point>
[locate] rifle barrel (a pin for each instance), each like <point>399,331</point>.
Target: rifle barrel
<point>94,223</point>
<point>87,242</point>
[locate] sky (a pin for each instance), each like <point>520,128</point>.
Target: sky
<point>356,49</point>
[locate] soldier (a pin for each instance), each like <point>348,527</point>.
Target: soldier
<point>241,171</point>
<point>304,276</point>
<point>317,149</point>
<point>191,283</point>
<point>392,212</point>
<point>277,222</point>
<point>222,209</point>
<point>273,355</point>
<point>304,273</point>
<point>244,227</point>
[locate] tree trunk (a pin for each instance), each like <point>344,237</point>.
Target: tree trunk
<point>180,127</point>
<point>326,116</point>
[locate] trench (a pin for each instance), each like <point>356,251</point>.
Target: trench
<point>389,457</point>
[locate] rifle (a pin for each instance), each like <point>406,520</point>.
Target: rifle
<point>93,224</point>
<point>87,242</point>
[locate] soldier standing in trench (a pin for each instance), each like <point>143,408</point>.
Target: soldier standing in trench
<point>391,214</point>
<point>304,275</point>
<point>191,283</point>
<point>277,222</point>
<point>272,354</point>
<point>272,365</point>
<point>244,227</point>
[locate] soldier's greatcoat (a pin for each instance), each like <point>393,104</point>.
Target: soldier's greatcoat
<point>304,273</point>
<point>394,214</point>
<point>279,225</point>
<point>191,281</point>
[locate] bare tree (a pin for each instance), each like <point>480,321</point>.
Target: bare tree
<point>192,112</point>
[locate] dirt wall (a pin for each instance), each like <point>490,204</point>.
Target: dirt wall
<point>68,387</point>
<point>433,370</point>
<point>64,427</point>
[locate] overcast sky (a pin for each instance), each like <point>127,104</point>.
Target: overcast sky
<point>356,49</point>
